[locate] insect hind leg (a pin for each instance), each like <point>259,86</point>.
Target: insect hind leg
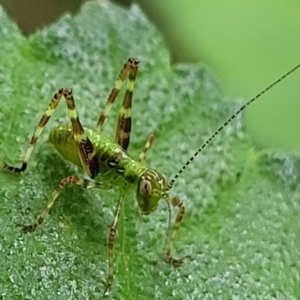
<point>42,123</point>
<point>123,130</point>
<point>113,94</point>
<point>85,149</point>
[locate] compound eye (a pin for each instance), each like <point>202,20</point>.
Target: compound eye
<point>145,188</point>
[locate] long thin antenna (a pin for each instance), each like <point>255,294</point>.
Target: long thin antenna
<point>171,183</point>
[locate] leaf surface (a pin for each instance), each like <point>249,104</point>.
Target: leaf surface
<point>242,207</point>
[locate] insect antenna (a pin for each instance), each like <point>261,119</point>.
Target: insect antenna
<point>171,183</point>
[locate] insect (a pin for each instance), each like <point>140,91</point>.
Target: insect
<point>107,163</point>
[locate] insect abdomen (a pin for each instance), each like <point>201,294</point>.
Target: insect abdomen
<point>62,139</point>
<point>114,162</point>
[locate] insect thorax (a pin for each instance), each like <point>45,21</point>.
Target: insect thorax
<point>114,162</point>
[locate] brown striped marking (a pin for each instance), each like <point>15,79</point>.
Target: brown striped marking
<point>114,92</point>
<point>85,149</point>
<point>123,129</point>
<point>41,125</point>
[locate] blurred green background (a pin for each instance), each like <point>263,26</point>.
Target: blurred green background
<point>246,44</point>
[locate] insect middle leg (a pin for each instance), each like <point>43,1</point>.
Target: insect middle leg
<point>146,147</point>
<point>84,183</point>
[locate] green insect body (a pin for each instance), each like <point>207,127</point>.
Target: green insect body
<point>117,168</point>
<point>115,162</point>
<point>107,163</point>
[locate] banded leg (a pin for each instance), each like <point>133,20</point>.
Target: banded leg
<point>111,240</point>
<point>85,148</point>
<point>173,261</point>
<point>86,152</point>
<point>114,92</point>
<point>122,136</point>
<point>68,180</point>
<point>146,147</point>
<point>42,123</point>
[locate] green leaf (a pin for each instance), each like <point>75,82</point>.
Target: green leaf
<point>241,222</point>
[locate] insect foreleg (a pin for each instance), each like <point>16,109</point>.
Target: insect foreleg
<point>111,240</point>
<point>173,261</point>
<point>68,180</point>
<point>146,148</point>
